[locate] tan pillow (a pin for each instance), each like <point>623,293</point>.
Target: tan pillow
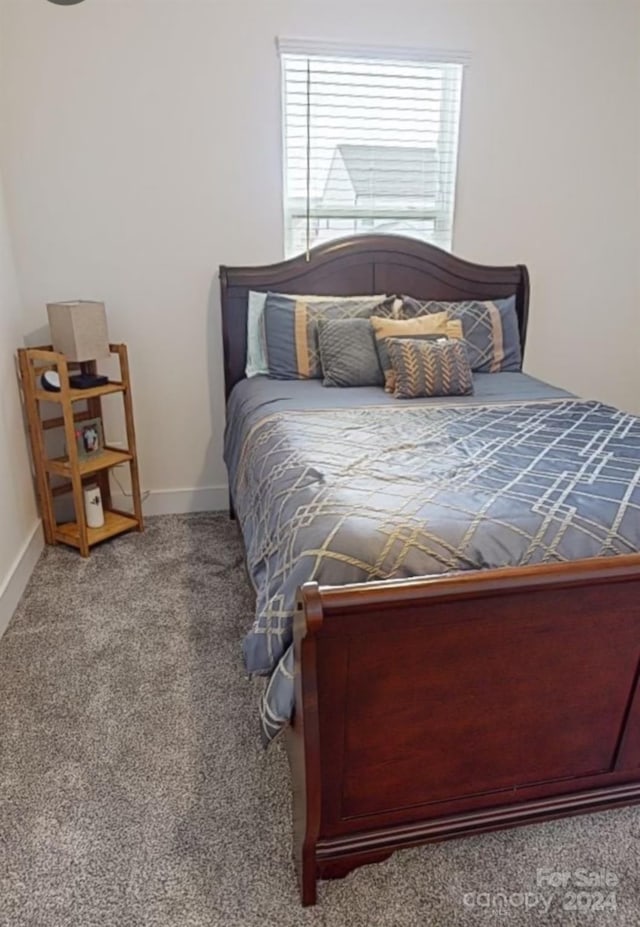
<point>383,328</point>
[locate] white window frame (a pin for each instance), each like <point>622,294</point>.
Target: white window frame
<point>442,215</point>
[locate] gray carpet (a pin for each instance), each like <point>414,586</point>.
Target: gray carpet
<point>133,790</point>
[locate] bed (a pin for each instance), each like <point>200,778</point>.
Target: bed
<point>436,695</point>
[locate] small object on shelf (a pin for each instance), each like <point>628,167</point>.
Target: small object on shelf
<point>89,438</point>
<point>88,459</point>
<point>93,506</point>
<point>50,381</point>
<point>87,380</point>
<point>79,330</point>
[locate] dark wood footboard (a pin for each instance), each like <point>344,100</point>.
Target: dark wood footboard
<point>435,708</point>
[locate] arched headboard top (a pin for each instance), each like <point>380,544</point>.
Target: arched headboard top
<point>364,265</point>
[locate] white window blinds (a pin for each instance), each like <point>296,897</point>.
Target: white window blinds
<point>370,145</point>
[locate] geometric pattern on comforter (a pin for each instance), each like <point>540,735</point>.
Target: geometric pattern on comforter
<point>361,494</point>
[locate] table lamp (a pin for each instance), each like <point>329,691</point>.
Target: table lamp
<point>79,330</point>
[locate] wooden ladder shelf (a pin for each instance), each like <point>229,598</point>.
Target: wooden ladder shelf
<point>74,471</point>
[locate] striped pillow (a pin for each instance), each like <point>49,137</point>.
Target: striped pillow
<point>430,368</point>
<point>490,329</point>
<point>291,329</point>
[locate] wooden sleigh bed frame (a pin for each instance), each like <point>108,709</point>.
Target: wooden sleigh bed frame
<point>439,707</point>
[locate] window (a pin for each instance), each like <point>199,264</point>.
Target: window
<point>370,144</point>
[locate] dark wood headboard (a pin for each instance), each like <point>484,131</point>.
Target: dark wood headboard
<point>364,264</point>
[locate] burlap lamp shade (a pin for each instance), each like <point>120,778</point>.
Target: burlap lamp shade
<point>79,329</point>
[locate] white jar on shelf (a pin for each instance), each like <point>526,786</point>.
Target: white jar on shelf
<point>93,507</point>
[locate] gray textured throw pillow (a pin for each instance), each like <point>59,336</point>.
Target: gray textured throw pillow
<point>348,353</point>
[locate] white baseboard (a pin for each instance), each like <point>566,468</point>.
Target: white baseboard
<point>16,581</point>
<point>179,501</point>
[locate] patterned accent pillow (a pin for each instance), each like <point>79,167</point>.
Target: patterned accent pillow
<point>348,353</point>
<point>291,329</point>
<point>426,325</point>
<point>438,367</point>
<point>490,329</point>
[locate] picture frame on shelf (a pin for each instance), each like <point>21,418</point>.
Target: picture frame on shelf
<point>89,438</point>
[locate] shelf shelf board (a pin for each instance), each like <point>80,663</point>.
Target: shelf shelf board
<point>114,523</point>
<point>77,395</point>
<point>110,457</point>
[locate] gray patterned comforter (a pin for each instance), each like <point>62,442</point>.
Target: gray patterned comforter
<point>357,494</point>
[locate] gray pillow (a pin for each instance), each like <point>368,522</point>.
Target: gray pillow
<point>348,353</point>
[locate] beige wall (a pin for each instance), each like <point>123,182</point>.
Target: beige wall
<point>17,507</point>
<point>142,148</point>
